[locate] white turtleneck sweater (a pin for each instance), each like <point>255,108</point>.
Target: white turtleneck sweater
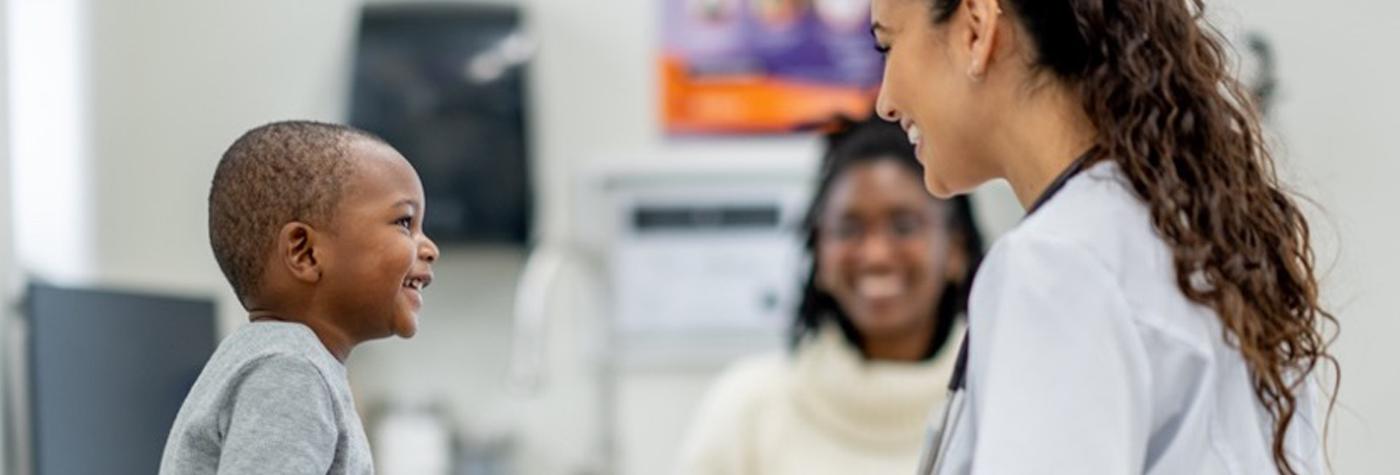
<point>821,410</point>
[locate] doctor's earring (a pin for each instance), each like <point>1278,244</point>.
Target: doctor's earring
<point>973,73</point>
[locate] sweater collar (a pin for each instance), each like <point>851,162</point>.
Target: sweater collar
<point>877,403</point>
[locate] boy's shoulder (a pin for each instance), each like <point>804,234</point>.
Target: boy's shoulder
<point>280,348</point>
<point>263,360</point>
<point>268,383</point>
<point>280,344</point>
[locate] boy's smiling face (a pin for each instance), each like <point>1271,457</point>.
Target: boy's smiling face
<point>377,259</point>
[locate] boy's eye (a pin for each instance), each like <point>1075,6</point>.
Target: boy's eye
<point>406,222</point>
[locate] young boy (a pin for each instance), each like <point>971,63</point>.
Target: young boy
<point>318,228</point>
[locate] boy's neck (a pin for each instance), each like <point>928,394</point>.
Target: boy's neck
<point>336,340</point>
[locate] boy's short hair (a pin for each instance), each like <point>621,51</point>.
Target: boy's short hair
<point>272,175</point>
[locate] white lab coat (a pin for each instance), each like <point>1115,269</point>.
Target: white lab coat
<point>1085,358</point>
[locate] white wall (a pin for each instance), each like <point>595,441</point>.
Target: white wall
<point>459,358</point>
<point>7,262</point>
<point>49,98</point>
<point>174,84</point>
<point>1335,123</point>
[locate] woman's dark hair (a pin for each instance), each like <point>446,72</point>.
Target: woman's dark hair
<point>869,141</point>
<point>1154,80</point>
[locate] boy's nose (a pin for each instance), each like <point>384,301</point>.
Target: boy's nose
<point>428,250</point>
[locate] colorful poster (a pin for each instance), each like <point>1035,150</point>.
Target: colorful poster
<point>765,66</point>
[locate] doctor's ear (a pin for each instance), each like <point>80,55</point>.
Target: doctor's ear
<point>979,37</point>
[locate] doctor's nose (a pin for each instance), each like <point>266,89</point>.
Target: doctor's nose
<point>883,107</point>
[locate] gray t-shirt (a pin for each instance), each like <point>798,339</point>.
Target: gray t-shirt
<point>272,400</point>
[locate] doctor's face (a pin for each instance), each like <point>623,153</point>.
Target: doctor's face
<point>883,249</point>
<point>928,91</point>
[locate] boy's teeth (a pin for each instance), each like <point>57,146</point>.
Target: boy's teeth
<point>913,134</point>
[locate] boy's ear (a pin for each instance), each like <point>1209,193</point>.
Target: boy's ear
<point>297,250</point>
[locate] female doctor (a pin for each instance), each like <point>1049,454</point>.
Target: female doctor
<point>1157,310</point>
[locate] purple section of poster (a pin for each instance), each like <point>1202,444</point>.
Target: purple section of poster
<point>810,41</point>
<point>708,34</point>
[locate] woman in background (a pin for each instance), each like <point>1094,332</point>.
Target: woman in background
<point>870,354</point>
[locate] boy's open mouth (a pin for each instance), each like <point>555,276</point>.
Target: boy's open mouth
<point>417,282</point>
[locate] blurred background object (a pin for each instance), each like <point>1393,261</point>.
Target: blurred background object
<point>561,187</point>
<point>446,85</point>
<point>764,66</point>
<point>412,441</point>
<point>106,371</point>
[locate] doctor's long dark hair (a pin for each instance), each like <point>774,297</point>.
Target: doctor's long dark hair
<point>1154,81</point>
<point>857,143</point>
